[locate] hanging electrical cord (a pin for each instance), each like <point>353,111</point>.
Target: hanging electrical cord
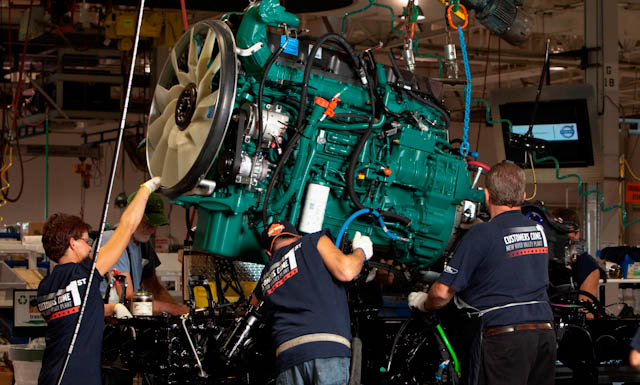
<point>633,175</point>
<point>46,164</point>
<point>584,194</point>
<point>488,115</point>
<point>105,208</point>
<point>371,3</point>
<point>464,147</point>
<point>535,181</point>
<point>16,100</point>
<point>545,64</point>
<point>3,171</point>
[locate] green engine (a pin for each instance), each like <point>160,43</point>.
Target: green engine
<point>248,126</point>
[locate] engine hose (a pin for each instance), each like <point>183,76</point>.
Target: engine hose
<point>357,214</point>
<point>396,339</point>
<point>454,357</point>
<point>301,113</point>
<point>354,161</point>
<point>307,70</point>
<point>272,59</point>
<point>413,95</point>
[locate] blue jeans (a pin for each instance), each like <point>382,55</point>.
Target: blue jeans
<point>320,371</point>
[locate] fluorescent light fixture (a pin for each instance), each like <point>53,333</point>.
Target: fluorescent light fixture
<point>557,68</point>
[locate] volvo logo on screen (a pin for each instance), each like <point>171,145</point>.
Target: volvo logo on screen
<point>567,131</point>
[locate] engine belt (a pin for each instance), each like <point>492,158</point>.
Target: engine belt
<point>315,337</point>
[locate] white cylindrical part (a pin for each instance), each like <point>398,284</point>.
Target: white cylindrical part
<point>314,206</point>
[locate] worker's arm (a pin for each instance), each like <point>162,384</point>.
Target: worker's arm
<point>590,285</point>
<point>343,267</point>
<point>110,252</point>
<point>108,309</point>
<point>634,359</point>
<point>160,307</point>
<point>439,295</point>
<point>117,310</point>
<point>159,291</point>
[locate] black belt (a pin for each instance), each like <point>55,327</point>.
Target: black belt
<point>512,328</point>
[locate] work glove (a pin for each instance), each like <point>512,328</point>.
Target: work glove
<point>418,300</point>
<point>363,243</point>
<point>121,312</point>
<point>152,184</point>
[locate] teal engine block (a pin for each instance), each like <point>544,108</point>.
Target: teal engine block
<point>248,126</point>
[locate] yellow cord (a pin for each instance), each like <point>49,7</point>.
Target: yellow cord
<point>535,182</point>
<point>4,183</point>
<point>626,162</point>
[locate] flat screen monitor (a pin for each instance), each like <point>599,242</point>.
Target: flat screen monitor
<point>565,118</point>
<point>563,123</point>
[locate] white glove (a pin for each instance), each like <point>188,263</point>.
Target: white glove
<point>152,184</point>
<point>364,243</point>
<point>121,312</point>
<point>418,300</point>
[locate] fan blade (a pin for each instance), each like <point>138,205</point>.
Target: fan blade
<point>205,55</point>
<point>204,86</point>
<point>192,61</point>
<point>157,127</point>
<point>157,158</point>
<point>160,97</point>
<point>199,131</point>
<point>202,109</point>
<point>187,155</point>
<point>175,91</point>
<point>170,175</point>
<point>183,78</point>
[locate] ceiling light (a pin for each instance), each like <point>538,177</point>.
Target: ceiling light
<point>557,68</point>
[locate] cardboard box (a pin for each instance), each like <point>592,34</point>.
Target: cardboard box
<point>35,228</point>
<point>634,270</point>
<point>161,245</point>
<point>6,376</point>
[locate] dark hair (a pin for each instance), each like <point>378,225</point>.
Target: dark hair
<point>506,183</point>
<point>568,216</point>
<point>57,232</point>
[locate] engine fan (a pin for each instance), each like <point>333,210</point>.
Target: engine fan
<point>192,106</point>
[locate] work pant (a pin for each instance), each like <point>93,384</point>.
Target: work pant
<point>522,357</point>
<point>321,371</point>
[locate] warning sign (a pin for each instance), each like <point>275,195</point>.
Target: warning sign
<point>632,195</point>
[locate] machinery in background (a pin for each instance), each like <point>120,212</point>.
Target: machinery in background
<point>504,18</point>
<point>248,126</point>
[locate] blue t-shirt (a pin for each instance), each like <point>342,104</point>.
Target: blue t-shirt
<point>123,265</point>
<point>306,299</point>
<point>60,296</point>
<point>500,262</point>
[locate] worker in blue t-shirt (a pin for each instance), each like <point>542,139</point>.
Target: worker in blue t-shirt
<point>66,241</point>
<point>302,283</point>
<point>499,273</point>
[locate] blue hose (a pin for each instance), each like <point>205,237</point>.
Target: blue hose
<point>357,214</point>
